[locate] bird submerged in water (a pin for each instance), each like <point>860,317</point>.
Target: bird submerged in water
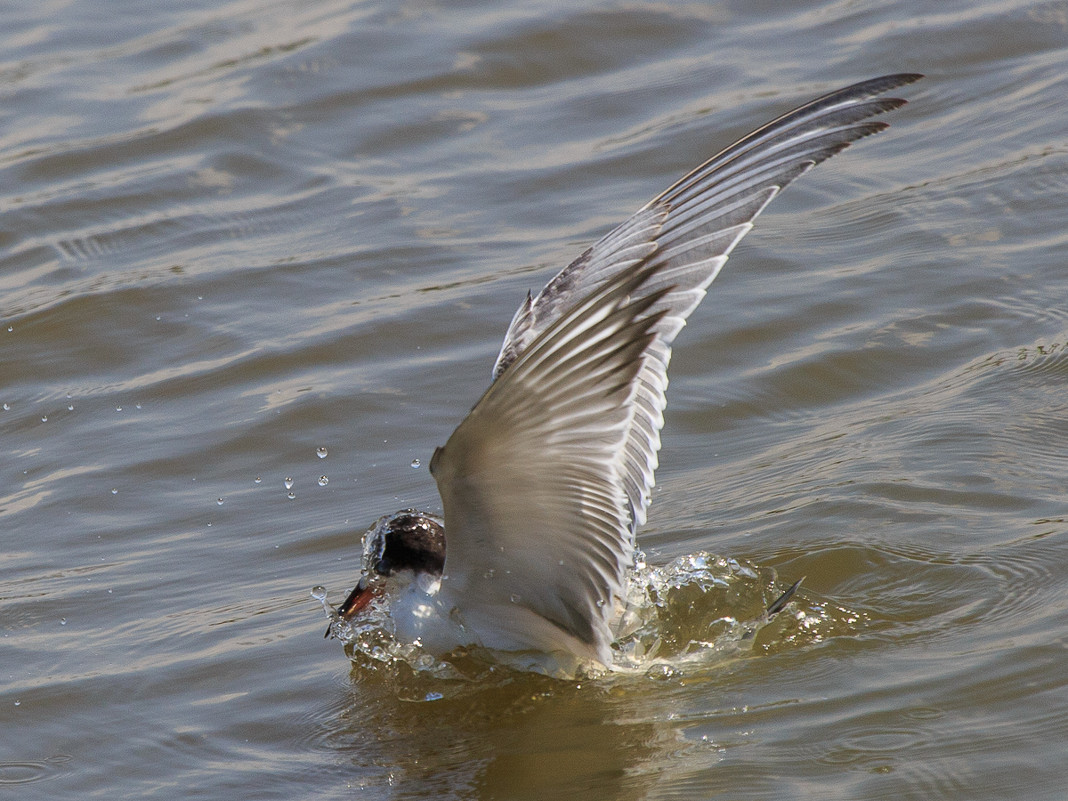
<point>546,481</point>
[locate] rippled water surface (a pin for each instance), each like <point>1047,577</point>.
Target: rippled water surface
<point>248,245</point>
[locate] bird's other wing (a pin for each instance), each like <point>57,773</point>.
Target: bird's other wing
<point>686,234</point>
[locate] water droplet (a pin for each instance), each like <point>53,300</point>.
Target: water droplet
<point>318,592</point>
<point>321,452</point>
<point>18,702</point>
<point>219,501</point>
<point>433,696</point>
<point>288,483</point>
<point>323,481</point>
<point>291,495</point>
<point>69,396</point>
<point>415,464</point>
<point>44,419</point>
<point>63,621</point>
<point>514,598</point>
<point>10,328</point>
<point>7,407</point>
<point>114,491</point>
<point>137,405</point>
<point>118,408</point>
<point>258,479</point>
<point>70,407</point>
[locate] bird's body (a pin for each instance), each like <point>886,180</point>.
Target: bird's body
<point>547,479</point>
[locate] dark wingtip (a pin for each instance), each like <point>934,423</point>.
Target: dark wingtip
<point>901,78</point>
<point>780,603</point>
<point>861,91</point>
<point>877,86</point>
<point>884,83</point>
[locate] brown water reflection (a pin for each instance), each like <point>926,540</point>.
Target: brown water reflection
<point>231,234</point>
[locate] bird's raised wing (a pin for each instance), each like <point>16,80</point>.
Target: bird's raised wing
<point>686,233</point>
<point>532,485</point>
<point>545,481</point>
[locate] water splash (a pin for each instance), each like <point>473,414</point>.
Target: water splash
<point>369,641</point>
<point>339,628</point>
<point>693,612</point>
<point>685,617</point>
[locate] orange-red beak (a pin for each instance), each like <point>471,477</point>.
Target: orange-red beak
<point>362,594</point>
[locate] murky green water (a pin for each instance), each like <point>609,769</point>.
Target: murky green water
<point>232,234</point>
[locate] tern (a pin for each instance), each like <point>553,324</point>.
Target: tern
<point>546,481</point>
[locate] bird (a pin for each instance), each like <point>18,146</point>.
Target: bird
<point>546,481</point>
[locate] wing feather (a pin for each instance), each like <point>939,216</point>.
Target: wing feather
<point>686,234</point>
<point>531,481</point>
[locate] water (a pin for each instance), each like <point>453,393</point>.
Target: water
<point>260,229</point>
<point>683,618</point>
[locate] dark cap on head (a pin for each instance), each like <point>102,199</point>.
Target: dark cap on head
<point>412,541</point>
